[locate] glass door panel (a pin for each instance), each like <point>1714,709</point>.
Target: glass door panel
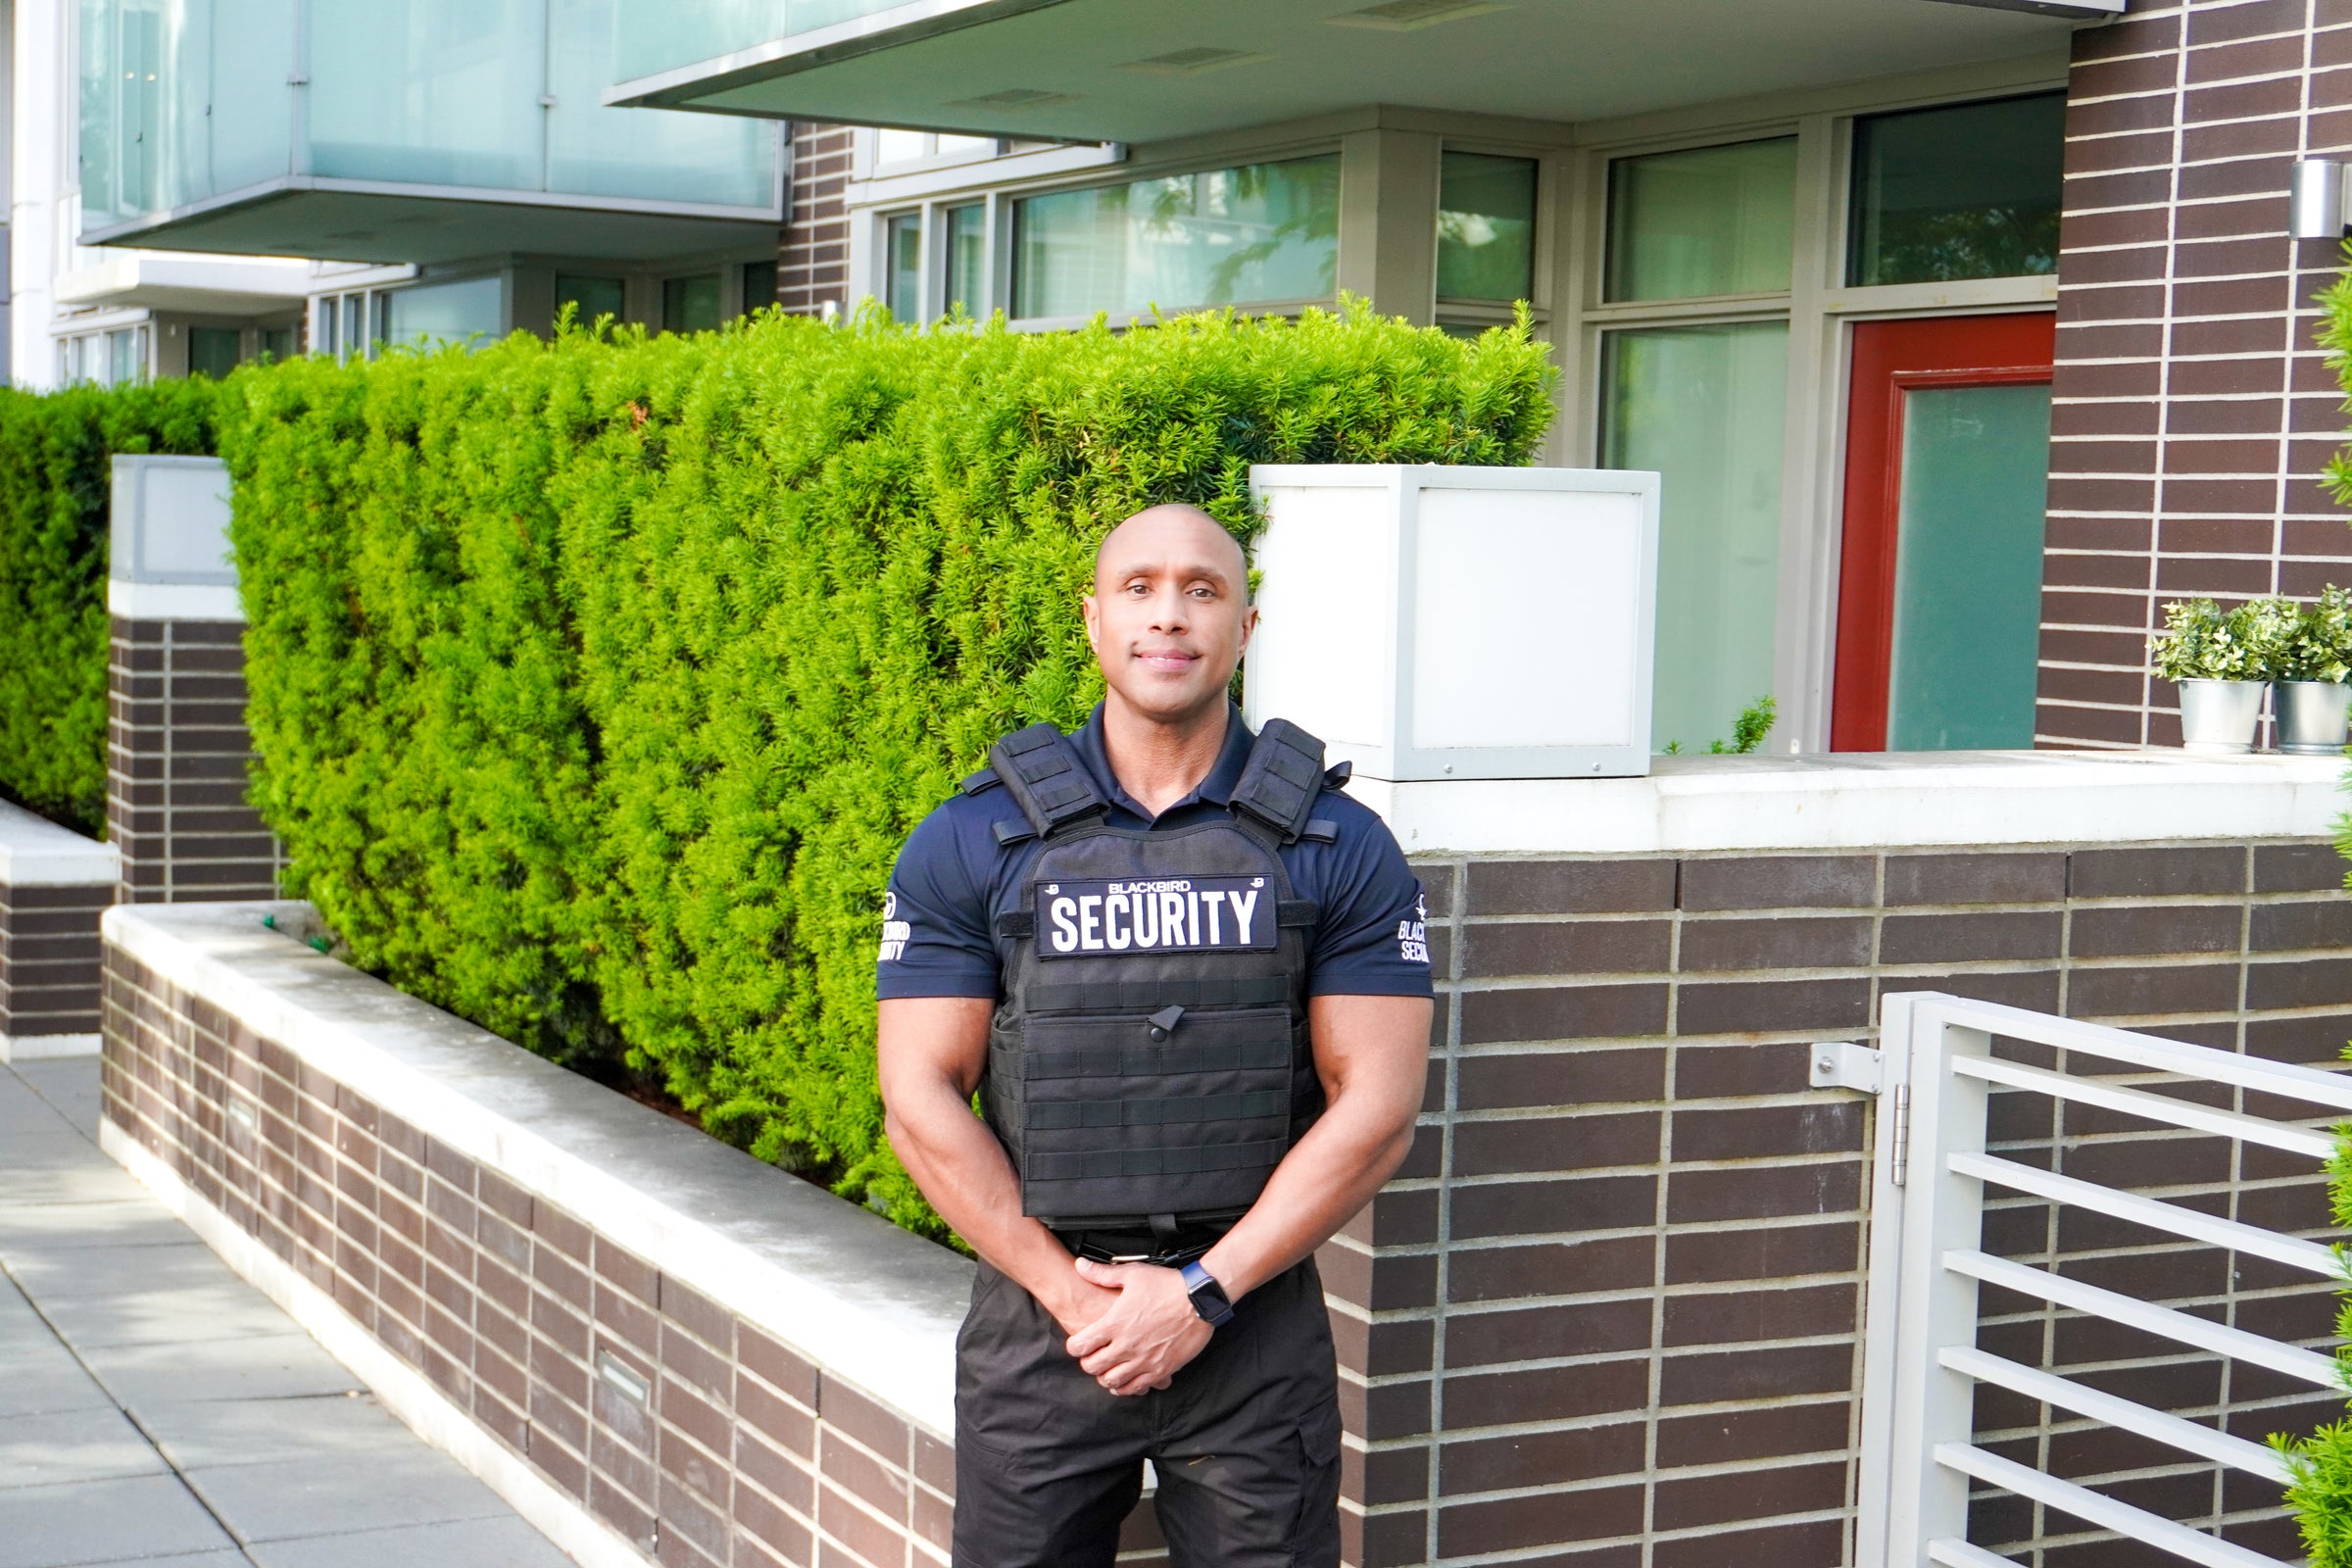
<point>1940,580</point>
<point>1705,405</point>
<point>1968,566</point>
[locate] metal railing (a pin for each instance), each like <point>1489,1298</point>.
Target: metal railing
<point>1935,1072</point>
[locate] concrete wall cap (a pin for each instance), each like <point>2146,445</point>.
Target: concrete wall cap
<point>1696,804</point>
<point>870,1303</point>
<point>37,853</point>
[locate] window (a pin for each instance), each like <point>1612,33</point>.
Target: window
<point>426,313</point>
<point>110,359</point>
<point>1259,233</point>
<point>906,146</point>
<point>758,285</point>
<point>690,304</point>
<point>213,351</point>
<point>1965,190</point>
<point>1709,220</point>
<point>963,231</point>
<point>1486,228</point>
<point>1704,406</point>
<point>592,298</point>
<point>276,342</point>
<point>902,267</point>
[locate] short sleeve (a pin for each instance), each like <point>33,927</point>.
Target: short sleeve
<point>1372,936</point>
<point>935,921</point>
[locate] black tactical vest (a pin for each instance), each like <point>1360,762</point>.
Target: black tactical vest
<point>1150,1065</point>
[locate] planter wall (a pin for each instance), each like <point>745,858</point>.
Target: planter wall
<point>54,884</point>
<point>1610,1311</point>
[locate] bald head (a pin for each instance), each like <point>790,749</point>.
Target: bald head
<point>1167,531</point>
<point>1169,614</point>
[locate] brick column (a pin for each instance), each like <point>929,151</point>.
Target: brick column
<point>178,749</point>
<point>813,265</point>
<point>54,885</point>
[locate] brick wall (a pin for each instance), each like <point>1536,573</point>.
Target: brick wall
<point>49,961</point>
<point>1608,1316</point>
<point>176,757</point>
<point>1610,1311</point>
<point>2191,410</point>
<point>814,271</point>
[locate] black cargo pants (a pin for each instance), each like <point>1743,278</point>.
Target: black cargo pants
<point>1246,1439</point>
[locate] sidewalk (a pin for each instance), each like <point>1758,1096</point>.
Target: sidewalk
<point>156,1409</point>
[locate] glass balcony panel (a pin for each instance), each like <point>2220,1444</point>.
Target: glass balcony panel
<point>252,56</point>
<point>434,92</point>
<point>151,72</point>
<point>1709,220</point>
<point>1486,228</point>
<point>720,159</point>
<point>1262,232</point>
<point>651,38</point>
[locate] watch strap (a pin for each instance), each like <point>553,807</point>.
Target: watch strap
<point>1208,1297</point>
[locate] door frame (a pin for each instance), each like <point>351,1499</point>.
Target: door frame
<point>1885,360</point>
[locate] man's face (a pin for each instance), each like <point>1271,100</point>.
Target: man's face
<point>1170,611</point>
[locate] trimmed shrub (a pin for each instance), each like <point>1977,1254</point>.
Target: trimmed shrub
<point>55,478</point>
<point>596,684</point>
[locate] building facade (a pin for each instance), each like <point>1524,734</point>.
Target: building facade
<point>403,175</point>
<point>1965,336</point>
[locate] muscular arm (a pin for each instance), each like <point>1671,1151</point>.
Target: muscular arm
<point>1372,1054</point>
<point>931,1051</point>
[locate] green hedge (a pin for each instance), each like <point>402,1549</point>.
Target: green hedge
<point>597,683</point>
<point>55,476</point>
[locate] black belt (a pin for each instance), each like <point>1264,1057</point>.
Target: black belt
<point>1139,1247</point>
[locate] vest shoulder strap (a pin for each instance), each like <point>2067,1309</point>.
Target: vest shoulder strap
<point>974,783</point>
<point>1041,770</point>
<point>1283,774</point>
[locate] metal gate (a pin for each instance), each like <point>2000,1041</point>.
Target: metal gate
<point>1936,1073</point>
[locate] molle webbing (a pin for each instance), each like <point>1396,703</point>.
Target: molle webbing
<point>1154,1161</point>
<point>1042,771</point>
<point>1152,1061</point>
<point>1179,1108</point>
<point>1150,995</point>
<point>1285,772</point>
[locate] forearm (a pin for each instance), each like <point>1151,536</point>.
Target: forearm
<point>1319,1186</point>
<point>962,1170</point>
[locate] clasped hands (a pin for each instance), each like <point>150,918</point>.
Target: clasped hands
<point>1137,1325</point>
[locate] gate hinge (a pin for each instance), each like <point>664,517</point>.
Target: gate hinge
<point>1843,1064</point>
<point>1898,1112</point>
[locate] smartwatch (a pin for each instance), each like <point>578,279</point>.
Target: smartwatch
<point>1208,1297</point>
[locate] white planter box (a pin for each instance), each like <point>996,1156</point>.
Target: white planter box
<point>1433,623</point>
<point>170,553</point>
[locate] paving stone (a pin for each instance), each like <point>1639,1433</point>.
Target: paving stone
<point>129,1220</point>
<point>41,1147</point>
<point>338,1494</point>
<point>97,1180</point>
<point>470,1544</point>
<point>138,1517</point>
<point>207,1434</point>
<point>166,1315</point>
<point>43,1378</point>
<point>70,1085</point>
<point>53,1268</point>
<point>258,1366</point>
<point>72,1445</point>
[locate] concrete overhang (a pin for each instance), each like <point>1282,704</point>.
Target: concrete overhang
<point>1119,70</point>
<point>426,224</point>
<point>263,285</point>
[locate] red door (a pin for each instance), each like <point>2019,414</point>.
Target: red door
<point>1892,360</point>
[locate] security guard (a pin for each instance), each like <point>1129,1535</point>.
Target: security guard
<point>1189,981</point>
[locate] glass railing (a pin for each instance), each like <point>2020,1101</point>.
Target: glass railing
<point>187,101</point>
<point>654,37</point>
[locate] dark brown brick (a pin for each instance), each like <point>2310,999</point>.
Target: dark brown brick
<point>1762,1252</point>
<point>1540,1459</point>
<point>1568,1205</point>
<point>1763,1132</point>
<point>862,1418</point>
<point>1771,882</point>
<point>2138,991</point>
<point>1563,1013</point>
<point>1526,1145</point>
<point>1955,937</point>
<point>1569,887</point>
<point>1526,1394</point>
<point>2298,867</point>
<point>1756,1007</point>
<point>1539,1519</point>
<point>2120,931</point>
<point>1815,942</point>
<point>1761,1192</point>
<point>1586,1076</point>
<point>1555,1268</point>
<point>1546,1333</point>
<point>2142,874</point>
<point>1565,947</point>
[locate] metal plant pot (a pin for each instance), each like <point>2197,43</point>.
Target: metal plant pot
<point>2218,716</point>
<point>2311,715</point>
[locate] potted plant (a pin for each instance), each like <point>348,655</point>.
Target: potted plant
<point>2309,697</point>
<point>2203,650</point>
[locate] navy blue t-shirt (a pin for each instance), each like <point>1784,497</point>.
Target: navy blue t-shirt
<point>954,878</point>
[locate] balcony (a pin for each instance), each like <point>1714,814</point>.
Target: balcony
<point>424,132</point>
<point>1112,70</point>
